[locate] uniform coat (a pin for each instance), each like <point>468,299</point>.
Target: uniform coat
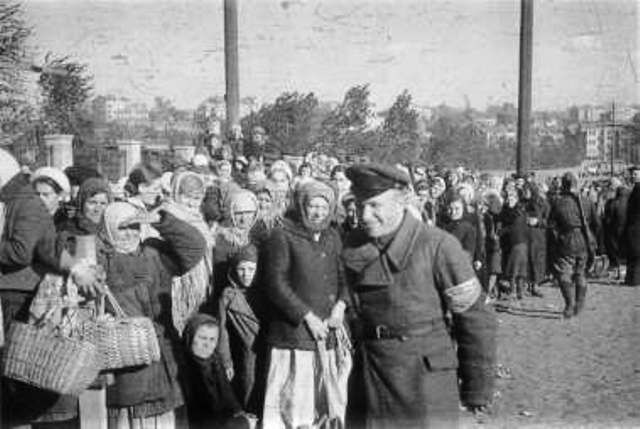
<point>407,287</point>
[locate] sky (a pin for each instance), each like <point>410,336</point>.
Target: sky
<point>585,51</point>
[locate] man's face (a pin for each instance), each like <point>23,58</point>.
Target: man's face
<point>382,214</point>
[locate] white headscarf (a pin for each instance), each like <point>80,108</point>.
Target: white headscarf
<point>114,215</point>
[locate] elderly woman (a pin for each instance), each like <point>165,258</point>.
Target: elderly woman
<point>139,273</point>
<point>304,282</point>
<point>242,209</point>
<point>190,290</point>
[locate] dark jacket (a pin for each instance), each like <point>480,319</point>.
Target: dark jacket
<point>28,247</point>
<point>302,275</point>
<point>514,227</point>
<point>566,222</point>
<point>141,283</point>
<point>406,288</point>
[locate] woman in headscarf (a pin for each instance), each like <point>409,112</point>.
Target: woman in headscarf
<point>537,211</point>
<point>242,209</point>
<point>191,290</point>
<point>144,187</point>
<point>305,285</point>
<point>243,312</point>
<point>93,197</point>
<point>268,215</point>
<point>209,396</point>
<point>139,273</point>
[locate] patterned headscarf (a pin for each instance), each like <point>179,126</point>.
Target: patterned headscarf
<point>114,215</point>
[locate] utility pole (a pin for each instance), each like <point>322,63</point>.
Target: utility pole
<point>613,136</point>
<point>232,95</point>
<point>524,86</point>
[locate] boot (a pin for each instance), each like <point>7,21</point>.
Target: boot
<point>519,287</point>
<point>581,295</point>
<point>533,289</point>
<point>568,294</point>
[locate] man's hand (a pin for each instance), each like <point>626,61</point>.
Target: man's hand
<point>318,328</point>
<point>336,318</point>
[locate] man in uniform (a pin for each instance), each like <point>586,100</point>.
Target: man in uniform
<point>574,224</point>
<point>413,289</point>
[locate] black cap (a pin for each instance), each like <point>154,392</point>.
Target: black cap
<point>369,180</point>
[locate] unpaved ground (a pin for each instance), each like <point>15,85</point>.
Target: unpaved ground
<point>581,372</point>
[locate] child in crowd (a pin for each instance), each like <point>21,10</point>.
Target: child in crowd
<point>209,397</point>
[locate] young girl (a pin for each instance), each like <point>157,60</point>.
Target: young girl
<point>242,344</point>
<point>209,397</point>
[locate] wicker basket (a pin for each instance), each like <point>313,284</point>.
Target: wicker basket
<point>41,356</point>
<point>124,341</point>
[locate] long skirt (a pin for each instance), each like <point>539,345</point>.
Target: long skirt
<point>123,418</point>
<point>304,389</point>
<point>517,262</point>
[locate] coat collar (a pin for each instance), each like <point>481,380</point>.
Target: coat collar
<point>401,246</point>
<point>363,256</point>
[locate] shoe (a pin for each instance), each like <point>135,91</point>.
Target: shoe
<point>535,292</point>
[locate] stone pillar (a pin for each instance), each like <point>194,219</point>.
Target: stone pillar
<point>59,150</point>
<point>132,154</point>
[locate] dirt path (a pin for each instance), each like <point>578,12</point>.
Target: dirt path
<point>581,372</point>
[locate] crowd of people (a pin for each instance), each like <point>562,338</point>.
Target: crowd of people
<point>314,295</point>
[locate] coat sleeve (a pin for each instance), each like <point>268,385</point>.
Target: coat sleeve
<point>183,246</point>
<point>29,238</point>
<point>279,290</point>
<point>224,350</point>
<point>474,326</point>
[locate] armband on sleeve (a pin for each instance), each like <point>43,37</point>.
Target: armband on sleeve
<point>461,297</point>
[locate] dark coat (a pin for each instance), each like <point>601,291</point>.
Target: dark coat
<point>29,247</point>
<point>537,238</point>
<point>141,284</point>
<point>465,232</point>
<point>302,275</point>
<point>407,287</point>
<point>615,218</point>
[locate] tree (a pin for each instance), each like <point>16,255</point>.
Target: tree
<point>64,96</point>
<point>287,121</point>
<point>400,137</point>
<point>347,122</point>
<point>16,114</point>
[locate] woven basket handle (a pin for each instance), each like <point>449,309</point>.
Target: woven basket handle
<point>112,300</point>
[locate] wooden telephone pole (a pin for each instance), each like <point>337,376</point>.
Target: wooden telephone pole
<point>524,86</point>
<point>232,79</point>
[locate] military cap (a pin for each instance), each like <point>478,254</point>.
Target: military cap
<point>369,180</point>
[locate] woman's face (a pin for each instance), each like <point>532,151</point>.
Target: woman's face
<point>151,192</point>
<point>205,341</point>
<point>456,210</point>
<point>246,271</point>
<point>264,201</point>
<point>192,200</point>
<point>128,236</point>
<point>244,218</point>
<point>512,199</point>
<point>280,179</point>
<point>224,171</point>
<point>49,197</point>
<point>317,210</point>
<point>94,206</point>
<point>341,181</point>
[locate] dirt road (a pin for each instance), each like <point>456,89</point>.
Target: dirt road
<point>581,372</point>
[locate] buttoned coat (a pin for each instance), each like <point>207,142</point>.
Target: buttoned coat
<point>302,275</point>
<point>409,287</point>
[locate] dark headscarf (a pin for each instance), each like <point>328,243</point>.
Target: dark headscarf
<point>309,190</point>
<point>194,322</point>
<point>209,396</point>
